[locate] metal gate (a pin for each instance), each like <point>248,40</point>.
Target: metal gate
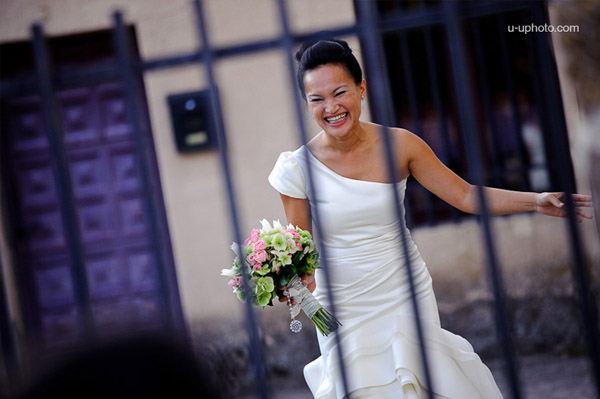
<point>446,15</point>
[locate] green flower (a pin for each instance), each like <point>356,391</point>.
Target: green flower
<point>312,262</point>
<point>284,258</point>
<point>265,284</point>
<point>267,238</point>
<point>264,288</point>
<point>306,241</point>
<point>279,242</point>
<point>263,298</point>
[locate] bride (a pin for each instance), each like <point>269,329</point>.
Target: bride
<point>361,235</point>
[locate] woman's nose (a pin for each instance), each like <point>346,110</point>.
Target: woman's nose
<point>331,106</point>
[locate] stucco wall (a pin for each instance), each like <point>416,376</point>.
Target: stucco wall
<point>260,123</point>
<point>258,116</point>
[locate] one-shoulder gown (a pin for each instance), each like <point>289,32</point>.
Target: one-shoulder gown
<point>380,346</point>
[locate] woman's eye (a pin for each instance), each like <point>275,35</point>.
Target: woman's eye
<point>339,93</point>
<point>314,100</point>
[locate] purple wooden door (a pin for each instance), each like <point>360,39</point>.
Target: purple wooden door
<point>124,286</point>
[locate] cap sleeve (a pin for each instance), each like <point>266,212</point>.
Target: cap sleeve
<point>287,176</point>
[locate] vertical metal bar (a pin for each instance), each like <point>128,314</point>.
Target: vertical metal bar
<point>381,100</point>
<point>559,146</point>
<point>538,102</point>
<point>8,349</point>
<point>409,82</point>
<point>287,43</point>
<point>481,65</point>
<point>62,173</point>
<point>417,125</point>
<point>256,358</point>
<point>438,104</point>
<point>463,87</point>
<point>505,54</point>
<point>173,317</point>
<point>435,93</point>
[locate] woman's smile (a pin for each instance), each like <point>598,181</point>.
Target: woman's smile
<point>337,120</point>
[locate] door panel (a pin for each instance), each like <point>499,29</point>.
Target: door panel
<point>122,270</point>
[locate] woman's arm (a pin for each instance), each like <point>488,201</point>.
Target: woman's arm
<point>297,211</point>
<point>432,174</point>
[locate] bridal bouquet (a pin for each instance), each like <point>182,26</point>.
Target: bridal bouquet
<point>275,256</point>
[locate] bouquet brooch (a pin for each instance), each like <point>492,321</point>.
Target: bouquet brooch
<point>275,257</point>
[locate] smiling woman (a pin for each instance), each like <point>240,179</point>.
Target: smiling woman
<point>361,234</point>
<point>334,99</point>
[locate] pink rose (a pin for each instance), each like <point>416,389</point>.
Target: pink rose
<point>259,246</point>
<point>234,282</point>
<point>253,237</point>
<point>254,262</point>
<point>260,256</point>
<point>294,233</point>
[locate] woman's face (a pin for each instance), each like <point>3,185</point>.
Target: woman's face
<point>334,100</point>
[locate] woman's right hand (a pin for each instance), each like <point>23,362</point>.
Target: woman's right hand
<point>309,281</point>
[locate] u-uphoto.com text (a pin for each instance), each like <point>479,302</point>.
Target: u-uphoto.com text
<point>545,28</point>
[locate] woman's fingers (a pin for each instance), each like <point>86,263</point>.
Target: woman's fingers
<point>553,199</point>
<point>309,281</point>
<point>584,213</point>
<point>582,198</point>
<point>552,204</point>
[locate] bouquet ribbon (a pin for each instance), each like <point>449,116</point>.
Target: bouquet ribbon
<point>321,317</point>
<point>308,303</point>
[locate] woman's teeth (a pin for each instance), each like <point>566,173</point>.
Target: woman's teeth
<point>336,118</point>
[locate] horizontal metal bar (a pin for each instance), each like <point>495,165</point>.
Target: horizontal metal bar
<point>63,78</point>
<point>246,48</point>
<point>69,77</point>
<point>390,23</point>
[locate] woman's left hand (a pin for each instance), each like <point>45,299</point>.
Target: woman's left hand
<point>551,204</point>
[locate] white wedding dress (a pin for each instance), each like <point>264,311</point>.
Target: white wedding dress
<point>372,296</point>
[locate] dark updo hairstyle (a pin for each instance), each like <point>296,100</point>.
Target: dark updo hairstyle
<point>332,51</point>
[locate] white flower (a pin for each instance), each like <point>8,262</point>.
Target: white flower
<point>236,249</point>
<point>228,273</point>
<point>266,226</point>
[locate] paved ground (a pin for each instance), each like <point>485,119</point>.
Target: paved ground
<point>550,377</point>
<point>542,376</point>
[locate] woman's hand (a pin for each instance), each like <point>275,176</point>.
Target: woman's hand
<point>309,281</point>
<point>551,204</point>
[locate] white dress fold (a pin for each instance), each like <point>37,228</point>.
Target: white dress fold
<point>380,345</point>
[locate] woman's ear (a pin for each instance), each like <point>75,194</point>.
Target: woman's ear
<point>363,88</point>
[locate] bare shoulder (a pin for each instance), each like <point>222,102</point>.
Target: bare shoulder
<point>397,134</point>
<point>407,143</point>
